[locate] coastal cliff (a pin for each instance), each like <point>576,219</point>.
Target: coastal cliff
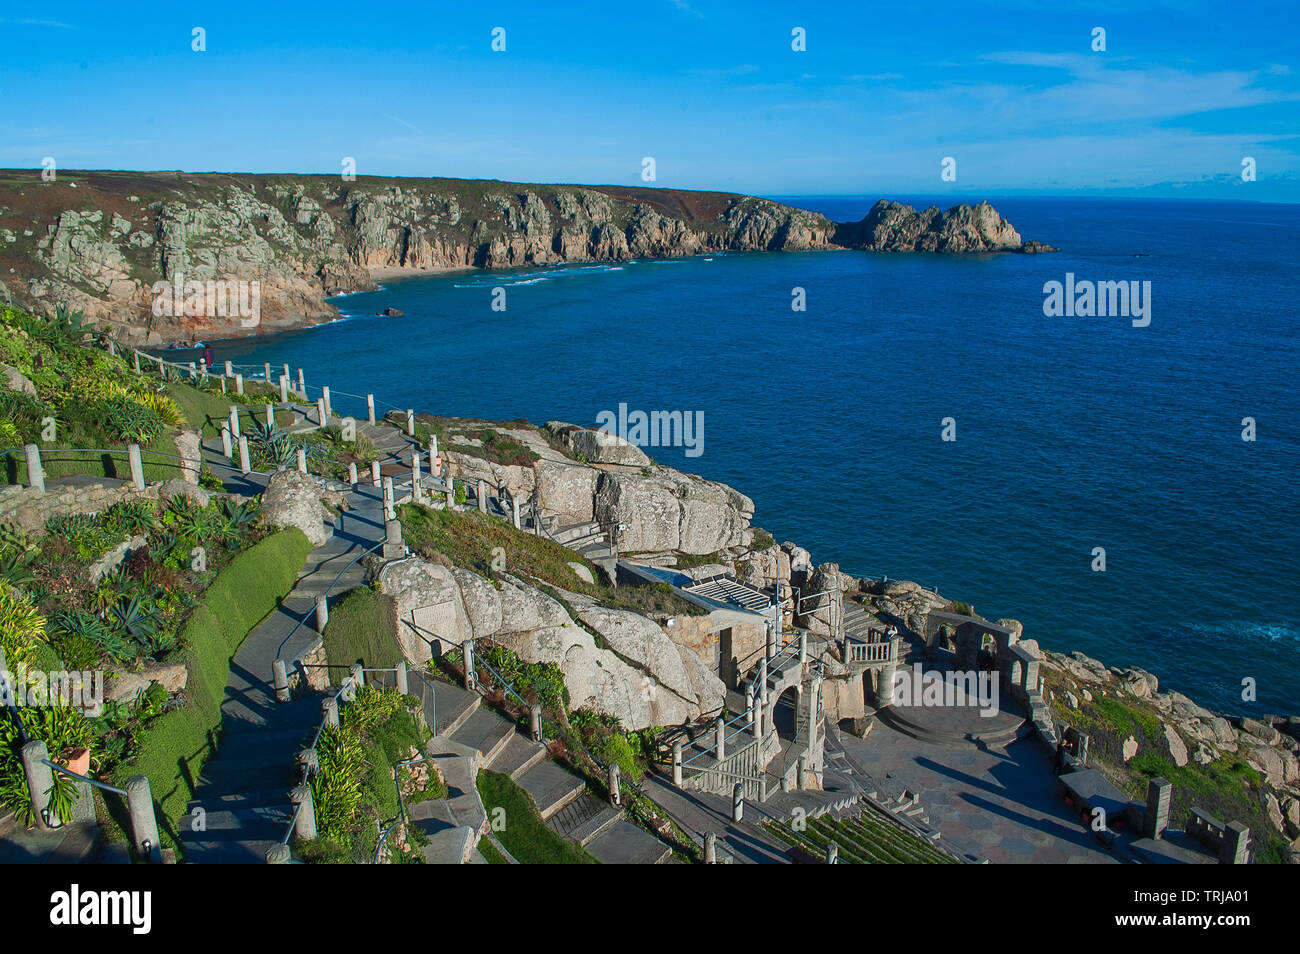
<point>100,242</point>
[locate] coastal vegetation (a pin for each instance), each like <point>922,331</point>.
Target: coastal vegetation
<point>529,839</point>
<point>363,626</point>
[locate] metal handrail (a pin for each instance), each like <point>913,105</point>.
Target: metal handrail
<point>64,770</point>
<point>279,649</point>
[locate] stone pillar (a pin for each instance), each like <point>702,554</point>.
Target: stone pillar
<point>400,679</point>
<point>433,446</point>
<point>194,371</point>
<point>771,642</point>
<point>309,760</point>
<point>738,803</point>
<point>615,796</point>
<point>535,722</point>
<point>394,547</point>
<point>885,684</point>
<point>1156,819</point>
<point>302,460</point>
<point>284,389</point>
<point>677,764</point>
<point>280,679</point>
<point>389,498</point>
<point>482,496</point>
<point>244,465</point>
<point>352,474</point>
<point>325,396</point>
<point>803,648</point>
<point>330,710</point>
<point>234,421</point>
<point>137,465</point>
<point>374,472</point>
<point>302,385</point>
<point>266,372</point>
<point>286,372</point>
<point>813,699</point>
<point>305,827</point>
<point>239,384</point>
<point>370,408</point>
<point>35,473</point>
<point>758,720</point>
<point>269,410</point>
<point>322,613</point>
<point>710,848</point>
<point>223,385</point>
<point>410,423</point>
<point>762,683</point>
<point>279,855</point>
<point>321,413</point>
<point>229,369</point>
<point>467,651</point>
<point>135,357</point>
<point>417,494</point>
<point>720,743</point>
<point>1235,847</point>
<point>227,449</point>
<point>451,493</point>
<point>39,779</point>
<point>144,826</point>
<point>832,853</point>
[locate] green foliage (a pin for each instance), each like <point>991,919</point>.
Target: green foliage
<point>529,839</point>
<point>21,627</point>
<point>363,626</point>
<point>62,729</point>
<point>603,737</point>
<point>536,682</point>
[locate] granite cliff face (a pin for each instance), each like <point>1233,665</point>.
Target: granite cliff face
<point>101,241</point>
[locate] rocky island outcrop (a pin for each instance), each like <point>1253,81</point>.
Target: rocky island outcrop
<point>101,242</point>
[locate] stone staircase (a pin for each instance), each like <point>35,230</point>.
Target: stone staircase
<point>74,844</point>
<point>467,727</point>
<point>585,538</point>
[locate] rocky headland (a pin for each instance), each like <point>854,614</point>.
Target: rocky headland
<point>99,241</point>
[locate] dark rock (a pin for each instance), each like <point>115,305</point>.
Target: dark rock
<point>391,312</point>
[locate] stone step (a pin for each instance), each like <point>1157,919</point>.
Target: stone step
<point>625,844</point>
<point>518,755</point>
<point>551,786</point>
<point>485,731</point>
<point>454,706</point>
<point>585,818</point>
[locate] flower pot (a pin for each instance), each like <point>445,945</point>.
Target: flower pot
<point>75,760</point>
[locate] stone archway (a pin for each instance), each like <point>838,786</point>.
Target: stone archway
<point>785,712</point>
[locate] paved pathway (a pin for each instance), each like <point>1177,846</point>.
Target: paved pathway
<point>999,803</point>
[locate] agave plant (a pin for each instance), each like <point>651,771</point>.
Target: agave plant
<point>277,446</point>
<point>132,516</point>
<point>134,616</point>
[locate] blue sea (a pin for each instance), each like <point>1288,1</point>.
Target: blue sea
<point>1071,433</point>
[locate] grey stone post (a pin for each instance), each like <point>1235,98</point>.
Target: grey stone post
<point>330,710</point>
<point>710,848</point>
<point>832,853</point>
<point>239,384</point>
<point>223,385</point>
<point>374,472</point>
<point>720,743</point>
<point>535,722</point>
<point>35,473</point>
<point>321,412</point>
<point>137,466</point>
<point>417,494</point>
<point>394,548</point>
<point>410,423</point>
<point>615,796</point>
<point>677,764</point>
<point>309,760</point>
<point>227,449</point>
<point>270,418</point>
<point>305,826</point>
<point>433,446</point>
<point>738,803</point>
<point>451,493</point>
<point>514,508</point>
<point>370,407</point>
<point>1156,819</point>
<point>229,369</point>
<point>234,421</point>
<point>144,826</point>
<point>389,511</point>
<point>758,719</point>
<point>803,648</point>
<point>482,496</point>
<point>358,675</point>
<point>302,460</point>
<point>762,683</point>
<point>399,677</point>
<point>244,465</point>
<point>322,613</point>
<point>279,855</point>
<point>325,396</point>
<point>280,679</point>
<point>284,389</point>
<point>136,359</point>
<point>203,367</point>
<point>286,372</point>
<point>266,372</point>
<point>302,385</point>
<point>39,779</point>
<point>771,642</point>
<point>1235,847</point>
<point>885,684</point>
<point>467,650</point>
<point>352,474</point>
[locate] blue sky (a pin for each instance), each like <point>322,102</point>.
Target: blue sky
<point>712,90</point>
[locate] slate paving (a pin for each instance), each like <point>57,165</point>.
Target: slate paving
<point>999,803</point>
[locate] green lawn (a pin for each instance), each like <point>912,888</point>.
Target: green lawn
<point>525,835</point>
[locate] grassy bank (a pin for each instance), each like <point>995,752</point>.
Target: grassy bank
<point>529,839</point>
